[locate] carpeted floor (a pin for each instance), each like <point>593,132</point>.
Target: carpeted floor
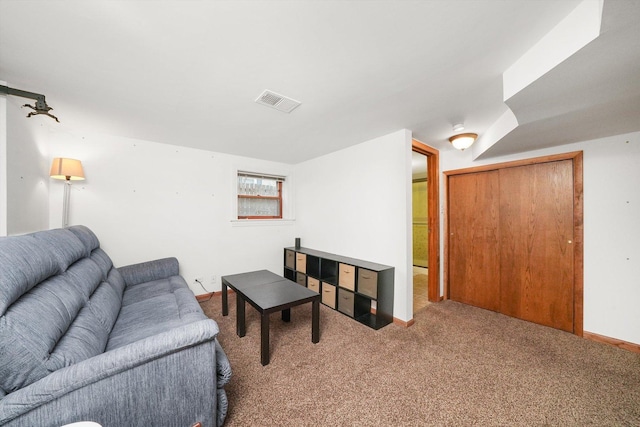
<point>420,288</point>
<point>457,366</point>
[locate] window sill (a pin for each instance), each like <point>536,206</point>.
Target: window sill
<point>261,222</point>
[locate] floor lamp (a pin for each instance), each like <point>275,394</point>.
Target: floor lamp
<point>68,170</point>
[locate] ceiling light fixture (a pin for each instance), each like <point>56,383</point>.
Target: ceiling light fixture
<point>463,140</point>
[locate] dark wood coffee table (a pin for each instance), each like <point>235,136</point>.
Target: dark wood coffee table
<point>267,292</point>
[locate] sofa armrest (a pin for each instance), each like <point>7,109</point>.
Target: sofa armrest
<point>178,365</point>
<point>223,368</point>
<point>151,270</point>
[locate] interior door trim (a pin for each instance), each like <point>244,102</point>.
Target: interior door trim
<point>578,224</point>
<point>433,208</point>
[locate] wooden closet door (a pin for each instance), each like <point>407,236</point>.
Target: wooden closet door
<point>474,259</point>
<point>536,250</point>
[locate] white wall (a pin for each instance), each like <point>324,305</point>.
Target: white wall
<point>27,172</point>
<point>3,164</point>
<point>147,200</point>
<point>611,229</point>
<point>356,202</point>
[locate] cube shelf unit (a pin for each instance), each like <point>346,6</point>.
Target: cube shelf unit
<point>348,285</point>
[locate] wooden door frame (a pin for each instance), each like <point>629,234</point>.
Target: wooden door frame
<point>433,209</point>
<point>578,224</point>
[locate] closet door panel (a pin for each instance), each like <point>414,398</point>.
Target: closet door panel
<point>536,250</point>
<point>474,266</point>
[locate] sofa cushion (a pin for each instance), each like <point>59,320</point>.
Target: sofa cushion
<point>88,333</point>
<point>33,325</point>
<point>145,291</point>
<point>28,260</point>
<point>87,237</point>
<point>30,329</point>
<point>105,304</point>
<point>85,275</point>
<point>115,280</point>
<point>103,261</point>
<point>85,338</point>
<point>153,307</point>
<point>25,263</point>
<point>63,244</point>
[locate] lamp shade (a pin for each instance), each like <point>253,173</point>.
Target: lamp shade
<point>463,140</point>
<point>67,169</point>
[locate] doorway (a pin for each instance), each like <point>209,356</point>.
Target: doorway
<point>426,225</point>
<point>420,229</point>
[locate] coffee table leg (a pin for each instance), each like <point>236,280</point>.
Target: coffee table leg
<point>240,325</point>
<point>286,315</point>
<point>315,321</point>
<point>225,301</point>
<point>264,339</point>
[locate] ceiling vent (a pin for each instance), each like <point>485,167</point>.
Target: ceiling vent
<point>279,102</point>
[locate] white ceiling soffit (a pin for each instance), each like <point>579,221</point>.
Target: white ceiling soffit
<point>277,101</point>
<point>571,86</point>
<point>574,32</point>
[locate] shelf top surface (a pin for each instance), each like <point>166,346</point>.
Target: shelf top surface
<point>343,259</point>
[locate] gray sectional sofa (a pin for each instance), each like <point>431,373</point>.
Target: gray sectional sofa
<point>83,340</point>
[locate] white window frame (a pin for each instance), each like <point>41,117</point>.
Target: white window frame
<point>287,191</point>
<point>261,197</point>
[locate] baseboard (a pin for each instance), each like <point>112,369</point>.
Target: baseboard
<point>205,297</point>
<point>208,296</point>
<point>629,346</point>
<point>402,323</point>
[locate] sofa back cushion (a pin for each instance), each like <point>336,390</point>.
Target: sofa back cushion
<point>28,260</point>
<point>59,298</point>
<point>86,236</point>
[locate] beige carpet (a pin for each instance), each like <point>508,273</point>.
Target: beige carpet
<point>458,365</point>
<point>420,289</point>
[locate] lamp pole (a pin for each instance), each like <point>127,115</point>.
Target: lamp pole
<point>67,170</point>
<point>65,202</point>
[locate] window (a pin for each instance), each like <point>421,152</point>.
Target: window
<point>259,196</point>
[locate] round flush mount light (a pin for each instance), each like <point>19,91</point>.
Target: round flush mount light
<point>463,140</point>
